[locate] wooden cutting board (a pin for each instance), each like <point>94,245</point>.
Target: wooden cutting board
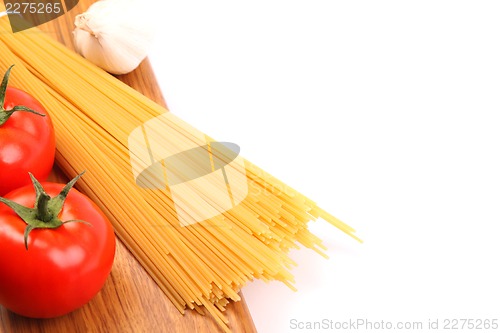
<point>130,300</point>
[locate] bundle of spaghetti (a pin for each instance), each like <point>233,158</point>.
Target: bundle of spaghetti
<point>203,265</point>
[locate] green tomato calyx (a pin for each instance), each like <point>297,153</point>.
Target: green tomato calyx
<point>45,213</point>
<point>5,114</point>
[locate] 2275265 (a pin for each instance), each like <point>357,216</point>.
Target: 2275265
<point>470,324</point>
<point>33,8</point>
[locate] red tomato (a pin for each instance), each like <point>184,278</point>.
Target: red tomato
<point>27,142</point>
<point>58,270</point>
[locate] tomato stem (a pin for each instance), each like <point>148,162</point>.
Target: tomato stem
<point>5,114</point>
<point>45,213</point>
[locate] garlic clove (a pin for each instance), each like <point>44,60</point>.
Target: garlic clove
<point>112,35</point>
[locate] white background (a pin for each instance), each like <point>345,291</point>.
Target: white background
<point>384,112</point>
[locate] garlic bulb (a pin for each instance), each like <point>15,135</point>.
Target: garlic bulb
<point>114,34</point>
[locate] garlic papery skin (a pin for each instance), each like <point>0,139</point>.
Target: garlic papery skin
<point>113,35</point>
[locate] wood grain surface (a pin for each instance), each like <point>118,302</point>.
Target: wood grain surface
<point>130,300</point>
